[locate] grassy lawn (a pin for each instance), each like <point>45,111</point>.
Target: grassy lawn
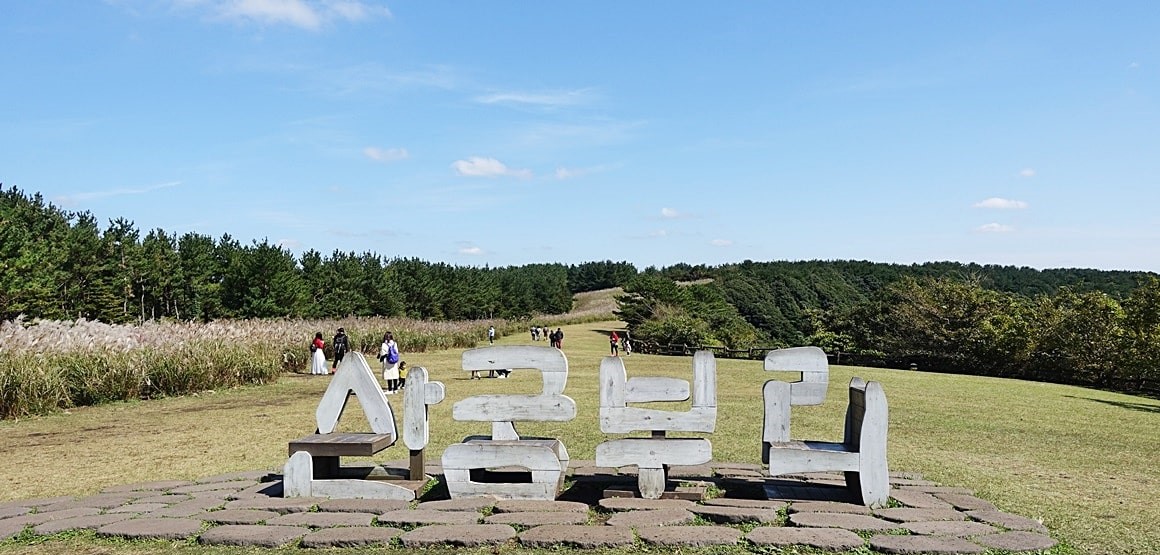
<point>1083,461</point>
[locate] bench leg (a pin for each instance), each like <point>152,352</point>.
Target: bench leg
<point>325,467</point>
<point>651,482</point>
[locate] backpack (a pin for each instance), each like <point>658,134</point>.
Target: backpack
<point>340,344</point>
<point>392,354</point>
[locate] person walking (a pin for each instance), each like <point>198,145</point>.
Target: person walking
<point>491,334</point>
<point>317,355</point>
<point>341,344</point>
<point>558,341</point>
<point>389,355</point>
<point>614,343</point>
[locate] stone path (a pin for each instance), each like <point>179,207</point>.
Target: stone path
<point>247,509</point>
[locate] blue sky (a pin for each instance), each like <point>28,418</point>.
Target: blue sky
<point>500,133</point>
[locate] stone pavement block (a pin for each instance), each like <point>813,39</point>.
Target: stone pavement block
<point>252,535</point>
<point>184,509</point>
<point>1017,541</point>
<point>833,539</point>
<point>924,545</point>
<point>261,489</point>
<point>960,528</point>
<point>637,504</point>
<point>350,536</point>
<point>323,520</point>
<point>415,517</point>
<point>157,486</point>
<point>828,507</point>
<point>215,486</point>
<point>659,517</point>
<point>1008,520</point>
<point>537,505</point>
<point>459,535</point>
<point>34,519</point>
<point>79,523</point>
<point>689,536</point>
<point>238,516</point>
<point>919,499</point>
<point>462,504</point>
<point>840,520</point>
<point>245,475</point>
<point>9,512</point>
<point>735,515</point>
<point>165,498</point>
<point>584,537</point>
<point>37,502</point>
<point>746,503</point>
<point>99,501</point>
<point>966,502</point>
<point>9,530</point>
<point>152,528</point>
<point>907,514</point>
<point>138,508</point>
<point>280,505</point>
<point>538,518</point>
<point>753,467</point>
<point>376,506</point>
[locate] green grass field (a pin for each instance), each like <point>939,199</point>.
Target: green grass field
<point>1083,461</point>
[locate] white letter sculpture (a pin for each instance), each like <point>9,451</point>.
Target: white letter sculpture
<point>314,470</point>
<point>546,459</point>
<point>653,454</point>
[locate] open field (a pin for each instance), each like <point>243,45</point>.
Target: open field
<point>1083,461</point>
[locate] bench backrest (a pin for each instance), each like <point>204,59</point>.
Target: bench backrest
<point>551,405</point>
<point>866,417</point>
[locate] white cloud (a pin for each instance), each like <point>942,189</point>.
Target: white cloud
<point>471,251</point>
<point>304,14</point>
<point>291,244</point>
<point>994,228</point>
<point>569,173</point>
<point>478,166</point>
<point>69,200</point>
<point>1001,204</point>
<point>670,213</point>
<point>386,155</point>
<point>1027,172</point>
<point>721,242</point>
<point>546,99</point>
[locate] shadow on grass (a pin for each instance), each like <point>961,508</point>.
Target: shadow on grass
<point>1142,407</point>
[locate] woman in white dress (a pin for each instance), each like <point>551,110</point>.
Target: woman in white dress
<point>317,355</point>
<point>389,354</point>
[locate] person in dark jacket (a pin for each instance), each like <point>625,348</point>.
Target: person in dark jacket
<point>341,345</point>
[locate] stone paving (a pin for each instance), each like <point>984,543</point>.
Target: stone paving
<point>751,511</point>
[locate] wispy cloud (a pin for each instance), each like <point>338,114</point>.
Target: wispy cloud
<point>386,155</point>
<point>470,250</point>
<point>563,173</point>
<point>659,233</point>
<point>1027,172</point>
<point>672,214</point>
<point>994,228</point>
<point>291,244</point>
<point>1001,204</point>
<point>553,99</point>
<point>303,14</point>
<point>721,242</point>
<point>478,166</point>
<point>69,200</point>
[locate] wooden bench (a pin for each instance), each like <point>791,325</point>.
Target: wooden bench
<point>651,455</point>
<point>473,467</point>
<point>314,468</point>
<point>861,455</point>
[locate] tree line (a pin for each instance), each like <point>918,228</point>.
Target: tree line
<point>62,265</point>
<point>1085,327</point>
